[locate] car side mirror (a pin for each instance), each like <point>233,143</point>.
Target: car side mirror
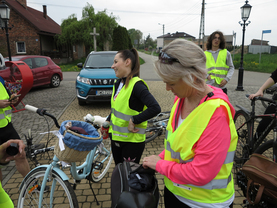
<point>80,65</point>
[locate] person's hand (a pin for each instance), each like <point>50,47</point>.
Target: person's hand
<point>12,102</point>
<point>4,157</point>
<point>223,83</point>
<point>257,94</point>
<point>209,77</point>
<point>4,103</point>
<point>131,127</point>
<point>151,161</point>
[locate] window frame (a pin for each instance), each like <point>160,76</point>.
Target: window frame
<point>18,52</point>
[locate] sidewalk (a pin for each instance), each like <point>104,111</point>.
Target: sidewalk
<point>61,103</point>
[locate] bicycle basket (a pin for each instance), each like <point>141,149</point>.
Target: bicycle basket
<point>77,146</point>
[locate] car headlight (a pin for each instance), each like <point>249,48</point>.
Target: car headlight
<point>83,80</point>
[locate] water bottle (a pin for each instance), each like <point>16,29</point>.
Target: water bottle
<point>105,129</point>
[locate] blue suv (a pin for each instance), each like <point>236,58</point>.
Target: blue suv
<point>96,78</point>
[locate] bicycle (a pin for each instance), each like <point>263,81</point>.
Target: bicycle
<point>247,144</point>
<point>49,186</point>
<point>157,126</point>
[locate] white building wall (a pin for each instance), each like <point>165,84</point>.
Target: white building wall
<point>255,49</point>
<point>160,42</point>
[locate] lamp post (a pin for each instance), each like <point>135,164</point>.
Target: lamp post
<point>245,13</point>
<point>5,16</point>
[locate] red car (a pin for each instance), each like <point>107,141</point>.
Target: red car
<point>45,71</point>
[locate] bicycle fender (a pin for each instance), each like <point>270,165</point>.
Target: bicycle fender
<point>243,109</point>
<point>63,176</point>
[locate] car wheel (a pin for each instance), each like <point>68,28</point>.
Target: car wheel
<point>55,81</point>
<point>81,101</point>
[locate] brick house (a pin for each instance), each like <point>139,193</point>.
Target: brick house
<point>32,32</point>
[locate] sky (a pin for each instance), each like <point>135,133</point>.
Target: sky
<point>149,16</point>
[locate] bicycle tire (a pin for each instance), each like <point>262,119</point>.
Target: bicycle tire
<point>102,161</point>
<point>151,134</point>
<point>243,129</point>
<point>63,194</point>
<point>266,149</point>
<point>152,131</point>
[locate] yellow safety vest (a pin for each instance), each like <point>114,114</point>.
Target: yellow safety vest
<point>5,113</point>
<point>219,69</point>
<point>5,200</point>
<point>121,114</point>
<point>178,148</point>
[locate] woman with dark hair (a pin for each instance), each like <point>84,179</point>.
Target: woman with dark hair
<point>219,61</point>
<point>132,105</point>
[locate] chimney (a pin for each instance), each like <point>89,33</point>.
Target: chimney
<point>23,3</point>
<point>44,11</point>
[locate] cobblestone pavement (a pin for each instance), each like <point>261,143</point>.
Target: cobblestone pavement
<point>61,103</point>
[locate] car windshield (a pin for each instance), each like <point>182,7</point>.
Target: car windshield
<point>100,61</point>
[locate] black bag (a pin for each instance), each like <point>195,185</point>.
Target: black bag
<point>132,186</point>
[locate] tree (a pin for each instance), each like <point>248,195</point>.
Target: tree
<point>76,32</point>
<point>121,39</point>
<point>150,43</point>
<point>136,37</point>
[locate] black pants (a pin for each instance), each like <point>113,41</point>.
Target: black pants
<point>170,200</point>
<point>265,121</point>
<point>8,132</point>
<point>127,151</point>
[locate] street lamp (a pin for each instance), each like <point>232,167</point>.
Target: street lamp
<point>5,16</point>
<point>245,13</point>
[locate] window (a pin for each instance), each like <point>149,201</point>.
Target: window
<point>20,47</point>
<point>29,62</point>
<point>41,62</point>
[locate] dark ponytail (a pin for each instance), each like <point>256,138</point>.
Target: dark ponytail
<point>132,54</point>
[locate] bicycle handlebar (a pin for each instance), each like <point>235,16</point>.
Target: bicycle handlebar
<point>42,112</point>
<point>262,98</point>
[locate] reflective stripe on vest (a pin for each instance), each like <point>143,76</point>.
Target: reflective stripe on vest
<point>5,113</point>
<point>217,70</point>
<point>180,150</point>
<point>121,114</point>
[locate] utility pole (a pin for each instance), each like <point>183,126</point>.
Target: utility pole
<point>202,25</point>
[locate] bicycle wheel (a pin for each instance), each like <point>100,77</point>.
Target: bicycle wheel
<point>62,192</point>
<point>153,127</point>
<point>102,160</point>
<point>266,149</point>
<point>243,129</point>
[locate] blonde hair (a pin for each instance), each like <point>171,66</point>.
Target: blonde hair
<point>192,64</point>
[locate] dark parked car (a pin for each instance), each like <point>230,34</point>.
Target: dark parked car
<point>45,71</point>
<point>96,78</point>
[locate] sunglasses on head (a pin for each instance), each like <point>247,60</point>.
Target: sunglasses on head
<point>166,59</point>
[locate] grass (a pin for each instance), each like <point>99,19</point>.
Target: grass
<point>250,62</point>
<point>72,66</point>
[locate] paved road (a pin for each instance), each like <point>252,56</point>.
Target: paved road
<point>61,103</point>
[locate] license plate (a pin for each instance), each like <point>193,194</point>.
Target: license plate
<point>104,92</point>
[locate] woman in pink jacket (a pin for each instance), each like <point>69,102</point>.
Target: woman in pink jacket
<point>201,139</point>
